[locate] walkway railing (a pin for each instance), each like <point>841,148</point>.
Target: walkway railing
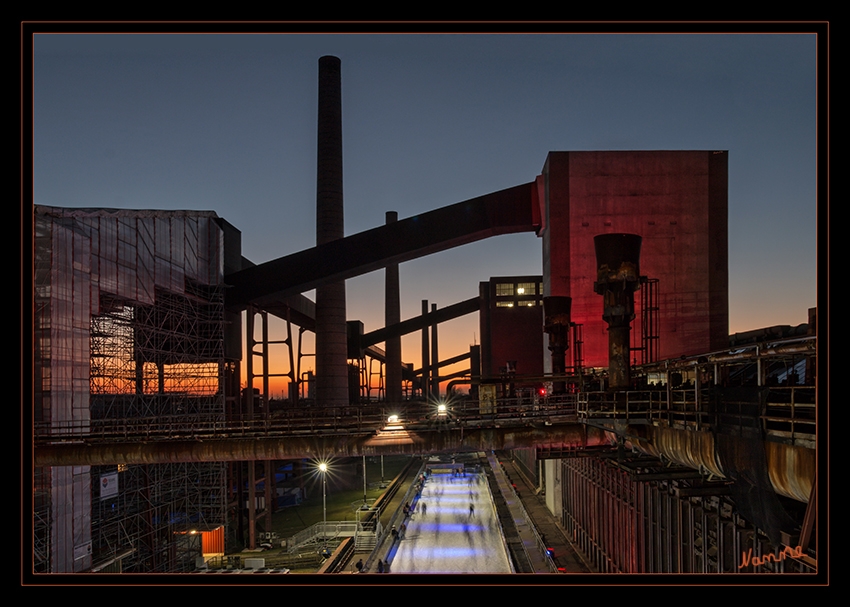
<point>790,413</point>
<point>383,534</point>
<point>518,505</point>
<point>301,420</point>
<point>333,531</point>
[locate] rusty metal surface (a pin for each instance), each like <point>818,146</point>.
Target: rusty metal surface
<point>687,448</point>
<point>618,258</point>
<point>556,311</point>
<point>791,470</point>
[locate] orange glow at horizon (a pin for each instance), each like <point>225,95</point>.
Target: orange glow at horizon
<point>111,376</point>
<point>454,338</point>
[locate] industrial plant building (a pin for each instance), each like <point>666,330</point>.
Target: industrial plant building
<point>129,323</point>
<point>684,448</point>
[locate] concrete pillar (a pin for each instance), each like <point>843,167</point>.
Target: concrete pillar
<point>392,315</point>
<point>331,330</point>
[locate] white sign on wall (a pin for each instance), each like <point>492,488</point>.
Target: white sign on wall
<point>108,485</point>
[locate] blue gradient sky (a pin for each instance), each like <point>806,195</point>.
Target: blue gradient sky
<point>228,123</point>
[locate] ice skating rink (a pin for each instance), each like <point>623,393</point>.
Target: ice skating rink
<point>453,529</point>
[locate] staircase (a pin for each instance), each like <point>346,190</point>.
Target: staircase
<point>333,532</point>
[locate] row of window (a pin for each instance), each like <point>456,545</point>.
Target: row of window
<point>511,304</point>
<point>525,294</point>
<point>509,289</point>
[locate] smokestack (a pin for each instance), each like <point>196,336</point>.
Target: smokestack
<point>392,316</point>
<point>617,279</point>
<point>331,330</point>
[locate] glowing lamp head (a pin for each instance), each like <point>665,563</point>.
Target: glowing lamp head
<point>323,467</point>
<point>393,419</point>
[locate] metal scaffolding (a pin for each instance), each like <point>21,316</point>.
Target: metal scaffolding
<point>129,325</point>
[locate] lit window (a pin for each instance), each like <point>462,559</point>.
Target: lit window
<point>525,288</point>
<point>504,289</point>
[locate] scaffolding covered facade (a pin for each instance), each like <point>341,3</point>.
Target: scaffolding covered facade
<point>129,323</point>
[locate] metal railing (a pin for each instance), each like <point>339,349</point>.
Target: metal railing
<point>790,412</point>
<point>538,539</point>
<point>301,420</point>
<point>382,534</point>
<point>330,531</point>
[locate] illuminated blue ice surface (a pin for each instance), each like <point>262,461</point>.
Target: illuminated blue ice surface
<point>446,536</point>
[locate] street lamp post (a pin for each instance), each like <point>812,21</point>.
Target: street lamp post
<point>323,467</point>
<point>365,504</point>
<point>383,484</point>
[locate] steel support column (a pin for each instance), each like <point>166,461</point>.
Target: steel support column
<point>435,358</point>
<point>392,316</point>
<point>426,356</point>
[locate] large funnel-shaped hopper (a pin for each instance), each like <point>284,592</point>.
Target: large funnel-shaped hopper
<point>618,258</point>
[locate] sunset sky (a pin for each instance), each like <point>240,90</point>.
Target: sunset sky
<point>227,122</point>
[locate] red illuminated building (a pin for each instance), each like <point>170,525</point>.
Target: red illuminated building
<point>676,201</point>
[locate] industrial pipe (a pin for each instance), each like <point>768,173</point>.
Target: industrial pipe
<point>617,278</point>
<point>556,323</point>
